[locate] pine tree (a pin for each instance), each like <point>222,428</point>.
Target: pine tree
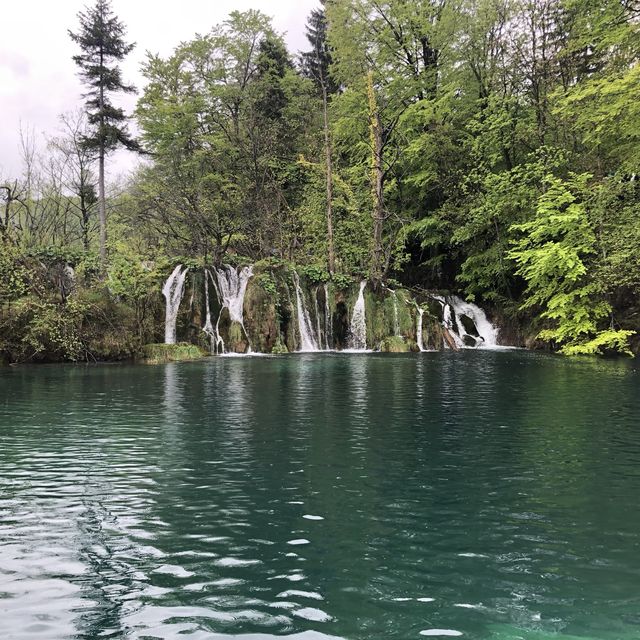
<point>315,65</point>
<point>271,67</point>
<point>102,44</point>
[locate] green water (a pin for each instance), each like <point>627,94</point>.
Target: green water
<point>488,494</point>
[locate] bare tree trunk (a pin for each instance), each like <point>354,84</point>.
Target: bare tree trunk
<point>85,224</point>
<point>102,211</point>
<point>329,169</point>
<point>102,207</point>
<point>377,181</point>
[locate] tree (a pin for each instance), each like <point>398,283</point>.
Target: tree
<point>102,44</point>
<point>315,65</point>
<point>194,114</point>
<point>77,161</point>
<point>388,56</point>
<point>554,255</point>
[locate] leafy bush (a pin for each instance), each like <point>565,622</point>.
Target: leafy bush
<point>268,283</point>
<point>554,255</point>
<point>15,275</point>
<point>341,281</point>
<point>36,329</point>
<point>314,274</point>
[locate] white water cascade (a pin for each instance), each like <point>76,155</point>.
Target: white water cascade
<point>447,321</point>
<point>453,308</point>
<point>217,343</point>
<point>358,326</point>
<point>173,290</point>
<point>419,328</point>
<point>487,333</point>
<point>328,330</point>
<point>231,287</point>
<point>308,341</point>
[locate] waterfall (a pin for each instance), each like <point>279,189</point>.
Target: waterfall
<point>217,343</point>
<point>447,321</point>
<point>208,326</point>
<point>231,287</point>
<point>483,334</point>
<point>487,332</point>
<point>318,324</point>
<point>358,326</point>
<point>419,328</point>
<point>308,342</point>
<point>328,327</point>
<point>173,291</point>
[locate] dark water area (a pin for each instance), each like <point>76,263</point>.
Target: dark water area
<point>481,494</point>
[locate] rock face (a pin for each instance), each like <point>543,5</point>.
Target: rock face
<point>282,311</point>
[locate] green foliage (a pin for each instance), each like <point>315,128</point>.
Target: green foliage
<point>553,256</point>
<point>163,353</point>
<point>54,254</point>
<point>271,262</point>
<point>268,283</point>
<point>15,275</point>
<point>102,45</point>
<point>40,329</point>
<point>131,278</point>
<point>397,344</point>
<point>279,348</point>
<point>314,274</point>
<point>341,281</point>
<point>451,130</point>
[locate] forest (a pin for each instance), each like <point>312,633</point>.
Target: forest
<point>488,148</point>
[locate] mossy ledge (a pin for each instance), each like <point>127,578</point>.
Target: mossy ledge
<point>163,353</point>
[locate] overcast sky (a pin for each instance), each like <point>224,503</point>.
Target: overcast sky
<point>38,79</point>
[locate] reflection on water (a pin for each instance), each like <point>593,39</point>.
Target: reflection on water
<point>485,495</point>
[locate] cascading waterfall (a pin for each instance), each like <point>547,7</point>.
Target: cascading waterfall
<point>217,343</point>
<point>453,310</point>
<point>173,290</point>
<point>465,325</point>
<point>328,330</point>
<point>487,332</point>
<point>447,321</point>
<point>358,326</point>
<point>419,328</point>
<point>208,325</point>
<point>231,287</point>
<point>308,342</point>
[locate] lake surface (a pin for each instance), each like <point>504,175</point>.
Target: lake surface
<point>492,495</point>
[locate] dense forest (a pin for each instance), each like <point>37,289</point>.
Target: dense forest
<point>485,147</point>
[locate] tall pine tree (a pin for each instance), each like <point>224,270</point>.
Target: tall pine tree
<point>102,44</point>
<point>315,65</point>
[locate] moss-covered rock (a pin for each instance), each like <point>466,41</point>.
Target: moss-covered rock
<point>163,353</point>
<point>260,312</point>
<point>398,344</point>
<point>432,332</point>
<point>237,340</point>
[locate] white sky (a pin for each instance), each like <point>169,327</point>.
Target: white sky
<point>38,78</point>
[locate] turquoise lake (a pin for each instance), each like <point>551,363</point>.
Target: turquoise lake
<point>479,494</point>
